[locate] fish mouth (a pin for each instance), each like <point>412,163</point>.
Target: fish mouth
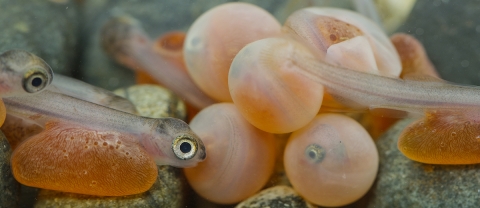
<point>203,153</point>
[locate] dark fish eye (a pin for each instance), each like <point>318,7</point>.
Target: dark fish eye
<point>37,82</point>
<point>184,147</point>
<point>315,153</point>
<point>34,81</point>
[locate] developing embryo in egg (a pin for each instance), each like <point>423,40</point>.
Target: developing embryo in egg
<point>332,161</point>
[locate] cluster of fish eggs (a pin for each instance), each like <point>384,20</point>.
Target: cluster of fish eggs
<point>329,159</point>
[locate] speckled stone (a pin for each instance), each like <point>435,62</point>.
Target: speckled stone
<point>9,187</point>
<point>154,101</point>
<point>278,197</point>
<point>169,190</point>
<point>450,32</point>
<point>404,183</point>
<point>45,28</point>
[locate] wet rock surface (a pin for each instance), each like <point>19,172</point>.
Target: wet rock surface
<point>169,190</point>
<point>449,30</point>
<point>9,187</point>
<point>402,182</point>
<point>45,28</point>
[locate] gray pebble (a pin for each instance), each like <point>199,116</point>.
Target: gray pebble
<point>154,101</point>
<point>9,187</point>
<point>278,197</point>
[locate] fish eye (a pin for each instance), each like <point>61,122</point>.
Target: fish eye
<point>184,147</point>
<point>315,153</point>
<point>34,81</point>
